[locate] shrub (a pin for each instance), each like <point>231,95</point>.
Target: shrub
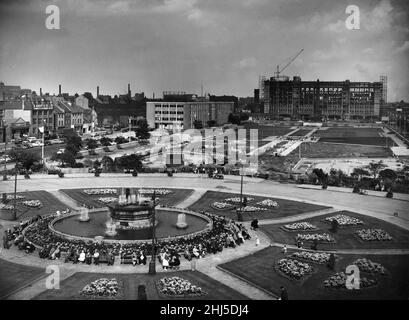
<point>135,173</point>
<point>324,186</point>
<point>61,174</point>
<point>106,149</point>
<point>389,194</point>
<point>356,189</point>
<point>79,157</point>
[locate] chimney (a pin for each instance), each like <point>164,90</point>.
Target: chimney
<point>97,91</point>
<point>129,90</point>
<point>41,92</point>
<point>59,90</point>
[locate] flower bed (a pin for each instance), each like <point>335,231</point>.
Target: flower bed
<point>176,286</point>
<point>99,191</point>
<point>162,192</point>
<point>252,209</point>
<point>373,235</point>
<point>300,226</point>
<point>294,269</point>
<point>344,220</point>
<point>32,203</point>
<point>237,199</point>
<point>107,200</point>
<point>316,257</point>
<point>366,265</point>
<point>324,237</point>
<point>268,203</point>
<point>221,205</point>
<point>6,206</point>
<point>101,288</point>
<point>339,280</point>
<point>18,197</point>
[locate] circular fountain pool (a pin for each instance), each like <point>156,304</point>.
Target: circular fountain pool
<point>71,227</point>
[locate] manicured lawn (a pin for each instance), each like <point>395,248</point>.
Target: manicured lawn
<point>286,207</point>
<point>345,237</point>
<point>333,150</point>
<point>171,199</point>
<point>50,204</point>
<point>267,131</point>
<point>129,283</point>
<point>366,136</point>
<point>301,132</point>
<point>259,269</point>
<point>15,276</point>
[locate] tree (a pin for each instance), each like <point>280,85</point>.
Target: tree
<point>120,140</point>
<point>74,144</point>
<point>67,158</point>
<point>375,167</point>
<point>142,129</point>
<point>132,161</point>
<point>321,175</point>
<point>26,158</point>
<point>105,141</point>
<point>360,172</point>
<point>211,123</point>
<point>243,116</point>
<point>234,119</point>
<point>92,144</point>
<point>388,178</point>
<point>197,124</point>
<point>107,164</point>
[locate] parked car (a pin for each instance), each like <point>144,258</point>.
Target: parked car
<point>218,176</point>
<point>37,143</point>
<point>5,159</point>
<point>31,139</point>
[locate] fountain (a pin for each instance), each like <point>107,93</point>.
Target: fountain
<point>84,216</point>
<point>181,223</point>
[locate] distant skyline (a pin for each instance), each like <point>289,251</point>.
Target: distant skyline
<point>175,45</point>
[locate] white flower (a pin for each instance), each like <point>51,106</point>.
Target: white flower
<point>268,203</point>
<point>324,237</point>
<point>373,235</point>
<point>107,200</point>
<point>300,226</point>
<point>99,191</point>
<point>32,203</point>
<point>344,220</point>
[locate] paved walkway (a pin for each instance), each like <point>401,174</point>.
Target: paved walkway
<point>374,206</point>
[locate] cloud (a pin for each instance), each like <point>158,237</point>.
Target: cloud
<point>404,47</point>
<point>246,63</point>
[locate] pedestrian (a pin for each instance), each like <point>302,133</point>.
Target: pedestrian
<point>285,250</point>
<point>257,241</point>
<point>284,294</point>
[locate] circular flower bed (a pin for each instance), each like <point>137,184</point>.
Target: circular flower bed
<point>222,205</point>
<point>339,281</point>
<point>99,191</point>
<point>32,203</point>
<point>293,268</point>
<point>300,226</point>
<point>176,286</point>
<point>268,203</point>
<point>324,237</point>
<point>237,199</point>
<point>366,265</point>
<point>162,192</point>
<point>101,287</point>
<point>344,220</point>
<point>316,257</point>
<point>107,200</point>
<point>373,235</point>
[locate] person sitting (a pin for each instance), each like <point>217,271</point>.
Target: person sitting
<point>96,257</point>
<point>187,255</point>
<point>134,258</point>
<point>165,262</point>
<point>88,258</point>
<point>81,258</point>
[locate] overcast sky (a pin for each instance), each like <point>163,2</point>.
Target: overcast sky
<point>159,45</point>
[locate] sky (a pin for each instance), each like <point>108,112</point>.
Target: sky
<point>176,45</point>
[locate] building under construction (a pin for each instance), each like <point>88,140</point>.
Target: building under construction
<point>320,100</point>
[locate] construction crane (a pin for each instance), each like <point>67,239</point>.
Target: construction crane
<point>277,78</point>
<point>277,73</point>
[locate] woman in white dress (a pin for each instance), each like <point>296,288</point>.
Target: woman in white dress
<point>81,258</point>
<point>165,262</point>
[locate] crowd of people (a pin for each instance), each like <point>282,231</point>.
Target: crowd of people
<point>225,233</point>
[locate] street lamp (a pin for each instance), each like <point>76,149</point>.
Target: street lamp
<point>42,130</point>
<point>240,211</point>
<point>4,127</point>
<point>152,263</point>
<point>15,192</point>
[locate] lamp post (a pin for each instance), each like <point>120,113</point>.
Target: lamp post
<point>15,192</point>
<point>5,150</point>
<point>152,263</point>
<point>43,142</point>
<point>130,126</point>
<point>240,211</point>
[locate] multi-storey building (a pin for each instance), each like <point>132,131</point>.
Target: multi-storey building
<point>42,114</point>
<point>322,99</point>
<point>182,115</point>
